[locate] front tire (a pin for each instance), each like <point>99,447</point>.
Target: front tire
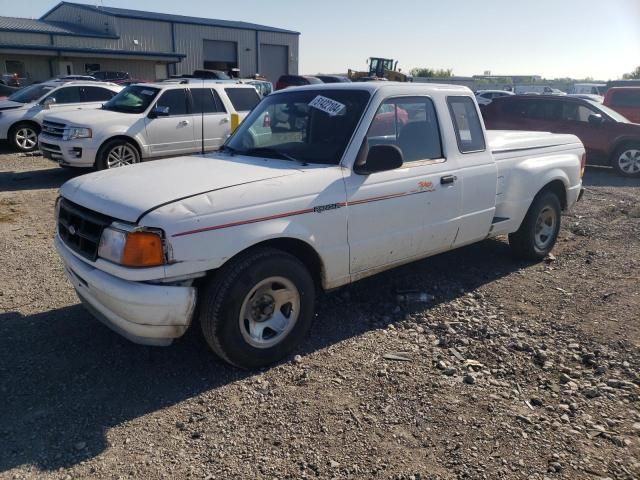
<point>117,153</point>
<point>257,308</point>
<point>24,137</point>
<point>626,160</point>
<point>538,233</point>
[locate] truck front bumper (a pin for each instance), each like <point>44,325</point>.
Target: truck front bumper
<point>143,313</point>
<point>72,153</point>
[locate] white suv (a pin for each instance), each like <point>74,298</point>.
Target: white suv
<point>147,121</point>
<point>22,113</point>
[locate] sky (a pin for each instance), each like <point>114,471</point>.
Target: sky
<point>552,38</point>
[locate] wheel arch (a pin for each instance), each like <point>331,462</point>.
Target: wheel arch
<point>23,121</point>
<point>557,187</point>
<point>124,137</point>
<point>296,247</point>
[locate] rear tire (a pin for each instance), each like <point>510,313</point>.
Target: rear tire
<point>538,233</point>
<point>24,136</point>
<point>626,160</point>
<point>117,153</point>
<point>257,308</point>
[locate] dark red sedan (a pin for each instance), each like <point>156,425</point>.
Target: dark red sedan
<point>609,138</point>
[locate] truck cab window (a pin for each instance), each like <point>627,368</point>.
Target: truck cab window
<point>466,124</point>
<point>409,123</point>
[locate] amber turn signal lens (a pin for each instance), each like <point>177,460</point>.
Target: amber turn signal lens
<point>143,249</point>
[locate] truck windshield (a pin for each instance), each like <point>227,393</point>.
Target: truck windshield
<point>31,94</point>
<point>133,99</point>
<point>312,126</point>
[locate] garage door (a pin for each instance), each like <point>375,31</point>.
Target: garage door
<point>274,61</point>
<point>219,51</point>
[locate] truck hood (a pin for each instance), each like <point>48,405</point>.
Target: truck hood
<point>128,193</point>
<point>9,105</point>
<point>90,117</point>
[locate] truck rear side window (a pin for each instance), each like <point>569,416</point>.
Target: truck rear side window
<point>243,99</point>
<point>466,124</point>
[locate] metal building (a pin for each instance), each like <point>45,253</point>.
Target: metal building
<point>75,38</point>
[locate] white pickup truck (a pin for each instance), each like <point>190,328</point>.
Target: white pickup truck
<point>320,186</point>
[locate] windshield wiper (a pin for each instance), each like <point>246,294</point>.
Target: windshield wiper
<point>272,151</point>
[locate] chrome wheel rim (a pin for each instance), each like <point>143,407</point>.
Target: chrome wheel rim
<point>545,228</point>
<point>26,138</point>
<point>120,156</point>
<point>269,312</point>
<point>629,161</point>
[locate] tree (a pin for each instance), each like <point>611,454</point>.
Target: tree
<point>431,72</point>
<point>633,75</point>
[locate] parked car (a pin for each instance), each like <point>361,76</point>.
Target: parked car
<point>244,237</point>
<point>130,81</point>
<point>625,101</point>
<point>537,90</point>
<point>67,78</point>
<point>6,91</point>
<point>110,76</point>
<point>622,83</point>
<point>286,81</point>
<point>485,97</point>
<point>609,138</point>
<point>21,114</point>
<point>264,87</point>
<point>210,75</point>
<point>333,79</point>
<point>587,96</point>
<point>146,121</point>
<point>589,88</point>
<point>10,79</point>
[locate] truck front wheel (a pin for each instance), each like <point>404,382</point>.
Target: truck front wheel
<point>257,308</point>
<point>538,233</point>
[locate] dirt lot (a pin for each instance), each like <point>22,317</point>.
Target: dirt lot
<point>513,371</point>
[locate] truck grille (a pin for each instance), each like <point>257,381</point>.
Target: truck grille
<point>53,129</point>
<point>80,228</point>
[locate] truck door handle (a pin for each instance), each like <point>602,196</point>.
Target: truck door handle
<point>183,123</point>
<point>224,120</point>
<point>447,180</point>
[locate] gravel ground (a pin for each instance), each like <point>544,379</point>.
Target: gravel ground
<point>514,370</point>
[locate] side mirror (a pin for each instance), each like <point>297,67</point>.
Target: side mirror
<point>48,102</point>
<point>381,158</point>
<point>159,112</point>
<point>596,119</point>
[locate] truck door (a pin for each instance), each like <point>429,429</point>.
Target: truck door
<point>477,171</point>
<point>406,212</point>
<point>172,134</point>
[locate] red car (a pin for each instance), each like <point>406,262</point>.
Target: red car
<point>609,138</point>
<point>625,101</point>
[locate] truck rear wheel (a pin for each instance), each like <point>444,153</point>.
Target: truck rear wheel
<point>257,308</point>
<point>538,233</point>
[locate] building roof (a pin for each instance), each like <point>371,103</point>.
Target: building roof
<point>166,17</point>
<point>12,24</point>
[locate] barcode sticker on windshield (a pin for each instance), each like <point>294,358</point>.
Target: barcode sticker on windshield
<point>327,105</point>
<point>147,92</point>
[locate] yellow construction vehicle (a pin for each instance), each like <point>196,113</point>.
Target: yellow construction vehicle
<point>380,69</point>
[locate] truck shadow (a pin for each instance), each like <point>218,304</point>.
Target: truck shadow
<point>37,179</point>
<point>67,380</point>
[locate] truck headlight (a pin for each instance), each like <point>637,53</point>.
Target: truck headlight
<point>72,133</point>
<point>132,249</point>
